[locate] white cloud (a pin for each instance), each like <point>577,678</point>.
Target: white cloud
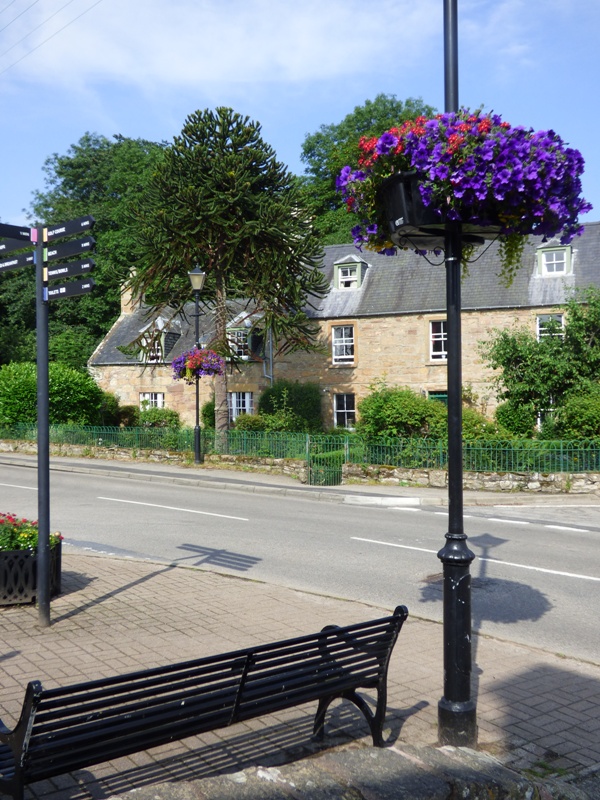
<point>186,43</point>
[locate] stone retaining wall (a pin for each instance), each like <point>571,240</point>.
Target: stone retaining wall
<point>552,483</point>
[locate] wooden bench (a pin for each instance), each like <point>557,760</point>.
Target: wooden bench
<point>69,728</point>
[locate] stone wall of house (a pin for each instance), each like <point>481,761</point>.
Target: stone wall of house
<point>394,349</point>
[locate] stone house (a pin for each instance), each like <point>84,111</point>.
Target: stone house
<point>383,320</point>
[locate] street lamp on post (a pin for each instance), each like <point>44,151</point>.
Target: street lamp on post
<point>457,724</point>
<point>197,278</point>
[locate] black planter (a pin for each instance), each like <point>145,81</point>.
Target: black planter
<point>412,224</point>
<point>18,575</point>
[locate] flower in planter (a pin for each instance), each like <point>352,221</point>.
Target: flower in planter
<point>196,363</point>
<point>21,534</point>
<point>474,168</point>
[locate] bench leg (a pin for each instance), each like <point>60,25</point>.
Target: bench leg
<point>375,720</point>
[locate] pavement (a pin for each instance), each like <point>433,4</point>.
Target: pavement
<point>538,712</point>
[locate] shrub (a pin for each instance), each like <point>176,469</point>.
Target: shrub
<point>518,418</point>
<point>110,413</point>
<point>251,422</point>
<point>159,418</point>
<point>73,396</point>
<point>476,426</point>
<point>207,414</point>
<point>301,399</point>
<point>129,416</point>
<point>578,417</point>
<point>400,412</point>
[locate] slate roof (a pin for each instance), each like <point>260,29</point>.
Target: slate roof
<point>404,284</point>
<point>408,283</point>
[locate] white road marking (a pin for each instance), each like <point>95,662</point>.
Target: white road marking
<point>507,521</point>
<point>491,560</point>
<point>566,528</point>
<point>173,508</point>
<point>16,486</point>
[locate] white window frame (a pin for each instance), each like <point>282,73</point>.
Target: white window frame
<point>239,403</point>
<point>438,340</point>
<point>554,262</point>
<point>152,399</point>
<point>342,344</point>
<point>344,410</point>
<point>348,276</point>
<point>239,342</point>
<point>541,319</point>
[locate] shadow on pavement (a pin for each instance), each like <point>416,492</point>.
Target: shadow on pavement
<point>218,558</point>
<point>273,744</point>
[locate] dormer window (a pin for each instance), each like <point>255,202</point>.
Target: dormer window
<point>238,342</point>
<point>348,278</point>
<point>349,273</point>
<point>554,261</point>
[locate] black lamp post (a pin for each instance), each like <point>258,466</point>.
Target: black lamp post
<point>457,721</point>
<point>197,278</point>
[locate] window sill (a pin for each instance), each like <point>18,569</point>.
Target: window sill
<point>342,366</point>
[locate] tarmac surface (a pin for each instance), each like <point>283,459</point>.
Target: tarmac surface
<point>538,712</point>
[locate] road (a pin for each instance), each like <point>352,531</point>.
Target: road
<point>536,577</point>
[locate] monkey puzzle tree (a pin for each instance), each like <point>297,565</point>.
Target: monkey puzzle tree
<point>220,200</point>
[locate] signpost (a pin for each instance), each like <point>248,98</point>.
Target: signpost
<point>79,225</point>
<point>15,232</point>
<point>70,268</point>
<point>71,289</point>
<point>66,249</point>
<point>15,237</point>
<point>22,260</point>
<point>46,251</point>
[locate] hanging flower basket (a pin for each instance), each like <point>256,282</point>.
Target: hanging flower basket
<point>19,561</point>
<point>196,363</point>
<point>473,168</point>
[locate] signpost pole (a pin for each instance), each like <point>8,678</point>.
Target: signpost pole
<point>43,434</point>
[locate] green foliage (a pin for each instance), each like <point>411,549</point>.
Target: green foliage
<point>219,199</point>
<point>303,399</point>
<point>129,417</point>
<point>537,377</point>
<point>73,396</point>
<point>476,427</point>
<point>400,412</point>
<point>109,413</point>
<point>71,346</point>
<point>18,393</point>
<point>159,418</point>
<point>578,417</point>
<point>534,374</point>
<point>333,146</point>
<point>96,176</point>
<point>207,414</point>
<point>520,420</point>
<point>17,533</point>
<point>251,422</point>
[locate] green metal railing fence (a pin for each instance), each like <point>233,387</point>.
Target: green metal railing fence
<point>325,454</point>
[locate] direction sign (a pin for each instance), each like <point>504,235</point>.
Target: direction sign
<point>70,269</point>
<point>8,245</point>
<point>79,225</point>
<point>67,249</point>
<point>83,286</point>
<point>22,260</point>
<point>15,232</point>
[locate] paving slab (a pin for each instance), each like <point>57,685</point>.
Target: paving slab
<point>537,712</point>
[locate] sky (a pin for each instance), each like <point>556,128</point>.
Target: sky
<point>139,67</point>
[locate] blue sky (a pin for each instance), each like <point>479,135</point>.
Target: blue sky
<point>139,67</point>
